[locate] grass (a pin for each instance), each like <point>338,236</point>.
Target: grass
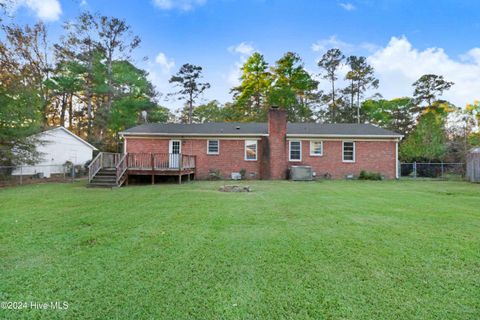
<point>322,250</point>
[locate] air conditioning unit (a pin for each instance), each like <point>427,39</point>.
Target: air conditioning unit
<point>301,173</point>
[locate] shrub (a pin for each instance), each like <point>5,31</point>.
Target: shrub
<point>214,175</point>
<point>243,173</point>
<point>366,175</point>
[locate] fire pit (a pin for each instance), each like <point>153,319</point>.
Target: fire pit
<point>234,188</point>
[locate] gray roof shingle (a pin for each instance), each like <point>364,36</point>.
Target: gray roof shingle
<point>256,128</point>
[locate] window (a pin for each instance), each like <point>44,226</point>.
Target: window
<point>251,150</point>
<point>316,148</point>
<point>295,151</point>
<point>348,151</point>
<point>213,147</point>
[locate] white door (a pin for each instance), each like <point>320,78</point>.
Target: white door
<point>174,150</point>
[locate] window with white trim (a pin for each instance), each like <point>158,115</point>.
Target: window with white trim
<point>213,146</point>
<point>316,148</point>
<point>250,150</point>
<point>295,150</point>
<point>348,151</point>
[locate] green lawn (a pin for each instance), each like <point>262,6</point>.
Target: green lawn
<point>320,250</point>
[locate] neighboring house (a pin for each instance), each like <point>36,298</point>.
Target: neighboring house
<point>57,146</point>
<point>267,150</point>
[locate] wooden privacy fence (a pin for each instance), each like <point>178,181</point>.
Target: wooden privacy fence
<point>473,165</point>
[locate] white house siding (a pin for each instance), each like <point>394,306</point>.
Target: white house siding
<point>57,146</point>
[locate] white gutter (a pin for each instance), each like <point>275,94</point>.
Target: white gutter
<point>193,134</point>
<point>343,136</point>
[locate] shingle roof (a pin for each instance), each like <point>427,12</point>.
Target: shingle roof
<point>256,128</point>
<point>201,128</point>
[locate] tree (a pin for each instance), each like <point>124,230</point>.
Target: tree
<point>115,37</point>
<point>361,77</point>
<point>251,96</point>
<point>396,114</point>
<point>293,87</point>
<point>187,80</point>
<point>25,51</point>
<point>331,61</point>
<point>209,112</point>
<point>427,142</point>
<point>428,87</point>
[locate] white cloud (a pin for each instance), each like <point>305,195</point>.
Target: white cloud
<point>332,42</point>
<point>46,10</point>
<point>165,63</point>
<point>242,48</point>
<point>184,5</point>
<point>347,6</point>
<point>399,64</point>
<point>83,3</point>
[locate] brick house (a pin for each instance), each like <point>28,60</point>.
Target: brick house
<point>267,150</point>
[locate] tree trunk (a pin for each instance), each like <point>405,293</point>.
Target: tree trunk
<point>334,103</point>
<point>358,105</point>
<point>70,112</point>
<point>190,108</point>
<point>63,108</point>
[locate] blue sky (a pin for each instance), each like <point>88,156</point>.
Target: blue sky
<point>403,39</point>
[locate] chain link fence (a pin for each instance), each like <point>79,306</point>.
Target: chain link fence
<point>440,170</point>
<point>19,175</point>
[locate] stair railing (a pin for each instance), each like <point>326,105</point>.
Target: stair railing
<point>121,167</point>
<point>95,166</point>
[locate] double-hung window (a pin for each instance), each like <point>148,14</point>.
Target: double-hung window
<point>348,151</point>
<point>295,150</point>
<point>316,148</point>
<point>250,150</point>
<point>213,146</point>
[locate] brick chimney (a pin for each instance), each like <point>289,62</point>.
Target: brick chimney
<point>275,153</point>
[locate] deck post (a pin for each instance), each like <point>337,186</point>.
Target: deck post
<point>153,168</point>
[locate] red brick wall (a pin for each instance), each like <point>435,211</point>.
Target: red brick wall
<point>276,155</point>
<point>377,156</point>
<point>231,157</point>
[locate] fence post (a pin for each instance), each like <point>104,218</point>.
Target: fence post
<point>442,169</point>
<point>73,173</point>
<point>21,174</point>
<point>415,170</point>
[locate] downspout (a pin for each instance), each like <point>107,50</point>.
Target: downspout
<point>396,160</point>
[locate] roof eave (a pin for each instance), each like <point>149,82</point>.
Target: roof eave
<point>371,136</point>
<point>123,133</point>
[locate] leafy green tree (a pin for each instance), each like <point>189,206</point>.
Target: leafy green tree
<point>331,62</point>
<point>209,112</point>
<point>187,80</point>
<point>427,142</point>
<point>293,87</point>
<point>134,94</point>
<point>396,114</point>
<point>361,77</point>
<point>25,49</point>
<point>251,96</point>
<point>18,121</point>
<point>428,87</point>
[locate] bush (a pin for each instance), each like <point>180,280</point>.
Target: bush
<point>243,173</point>
<point>214,175</point>
<point>366,175</point>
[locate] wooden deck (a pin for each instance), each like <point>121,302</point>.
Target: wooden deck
<point>144,164</point>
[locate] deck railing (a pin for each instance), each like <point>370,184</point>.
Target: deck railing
<point>160,161</point>
<point>139,161</point>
